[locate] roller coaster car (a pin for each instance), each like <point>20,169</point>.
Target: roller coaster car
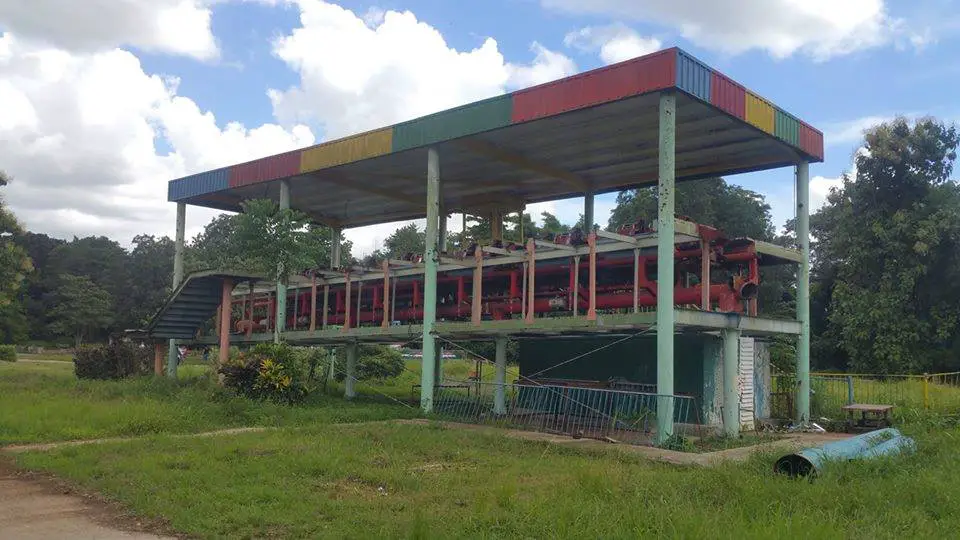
<point>635,229</point>
<point>413,257</point>
<point>573,238</point>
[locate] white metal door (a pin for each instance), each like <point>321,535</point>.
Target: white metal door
<point>746,383</point>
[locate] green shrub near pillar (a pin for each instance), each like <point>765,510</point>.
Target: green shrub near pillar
<point>8,353</point>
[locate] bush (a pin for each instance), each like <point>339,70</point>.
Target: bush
<point>269,371</point>
<point>8,353</point>
<point>115,361</point>
<point>374,362</point>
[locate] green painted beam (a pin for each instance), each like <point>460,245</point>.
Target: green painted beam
<point>281,315</point>
<point>803,292</point>
<point>666,213</point>
<point>172,357</point>
<point>431,261</point>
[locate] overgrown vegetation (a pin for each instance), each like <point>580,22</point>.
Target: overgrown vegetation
<point>115,361</point>
<point>45,402</point>
<point>8,353</point>
<point>402,481</point>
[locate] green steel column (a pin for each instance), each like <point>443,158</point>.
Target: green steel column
<point>731,388</point>
<point>427,378</point>
<point>281,320</point>
<point>442,230</point>
<point>665,250</point>
<point>500,377</point>
<point>350,380</point>
<point>803,292</point>
<point>588,213</point>
<point>177,278</point>
<point>335,248</point>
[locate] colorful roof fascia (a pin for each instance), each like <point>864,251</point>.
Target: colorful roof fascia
<point>663,70</point>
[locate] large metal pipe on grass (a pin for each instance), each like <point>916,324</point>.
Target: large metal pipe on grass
<point>882,442</point>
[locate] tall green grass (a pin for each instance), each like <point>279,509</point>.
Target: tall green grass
<point>45,402</point>
<point>398,481</point>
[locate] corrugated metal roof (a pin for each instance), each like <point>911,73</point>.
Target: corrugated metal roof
<point>599,125</point>
<point>198,184</point>
<point>693,76</point>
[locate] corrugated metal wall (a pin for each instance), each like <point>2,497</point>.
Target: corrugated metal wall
<point>198,184</point>
<point>363,146</point>
<point>630,78</point>
<point>787,128</point>
<point>460,122</point>
<point>693,77</point>
<point>811,141</point>
<point>665,69</point>
<point>759,113</point>
<point>728,96</point>
<point>634,360</point>
<point>746,387</point>
<point>265,170</point>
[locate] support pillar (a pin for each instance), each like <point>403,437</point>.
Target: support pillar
<point>476,301</point>
<point>496,226</point>
<point>177,278</point>
<point>531,282</point>
<point>350,380</point>
<point>281,322</point>
<point>731,388</point>
<point>442,226</point>
<point>588,213</point>
<point>386,294</point>
<point>704,274</point>
<point>429,350</point>
<point>313,303</point>
<point>500,377</point>
<point>158,359</point>
<point>665,266</point>
<point>803,292</point>
<point>592,278</point>
<point>636,280</point>
<point>224,342</point>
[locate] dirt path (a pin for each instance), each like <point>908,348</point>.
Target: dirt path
<point>33,507</point>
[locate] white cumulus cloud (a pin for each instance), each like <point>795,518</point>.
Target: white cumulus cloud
<point>614,43</point>
<point>79,133</point>
<point>168,26</point>
<point>359,72</point>
<point>816,28</point>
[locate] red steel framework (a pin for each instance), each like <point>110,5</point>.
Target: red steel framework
<point>573,286</point>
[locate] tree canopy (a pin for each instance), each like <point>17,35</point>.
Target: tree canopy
<point>887,255</point>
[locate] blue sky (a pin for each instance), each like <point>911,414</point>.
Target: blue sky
<point>840,66</point>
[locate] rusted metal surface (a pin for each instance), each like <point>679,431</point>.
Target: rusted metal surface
<point>265,170</point>
<point>633,77</point>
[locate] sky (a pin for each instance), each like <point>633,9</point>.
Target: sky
<point>101,106</point>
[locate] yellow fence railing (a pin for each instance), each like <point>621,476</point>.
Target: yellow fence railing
<point>936,392</point>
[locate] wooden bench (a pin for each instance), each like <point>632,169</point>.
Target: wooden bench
<point>871,416</point>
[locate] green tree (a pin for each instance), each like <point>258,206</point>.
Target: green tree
<point>406,239</point>
<point>83,309</point>
<point>148,281</point>
<point>552,226</point>
<point>15,265</point>
<point>889,239</point>
<point>277,242</point>
<point>734,210</point>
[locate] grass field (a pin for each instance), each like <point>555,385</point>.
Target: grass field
<point>312,478</point>
<point>396,481</point>
<point>45,402</point>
